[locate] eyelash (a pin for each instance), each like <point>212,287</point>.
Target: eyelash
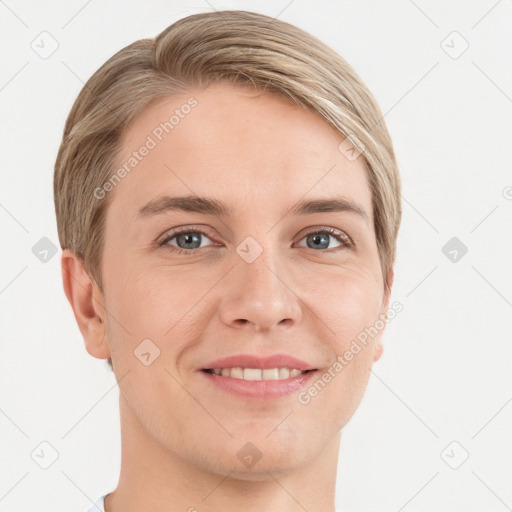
<point>341,237</point>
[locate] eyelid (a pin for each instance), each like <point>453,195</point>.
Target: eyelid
<point>170,233</point>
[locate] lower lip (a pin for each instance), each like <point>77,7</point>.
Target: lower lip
<point>260,389</point>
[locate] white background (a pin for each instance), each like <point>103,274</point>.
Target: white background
<point>446,370</point>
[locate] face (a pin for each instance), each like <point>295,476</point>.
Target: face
<point>186,284</point>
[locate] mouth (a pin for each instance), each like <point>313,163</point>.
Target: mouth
<point>256,384</point>
<point>257,374</point>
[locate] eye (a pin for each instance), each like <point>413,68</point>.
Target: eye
<point>186,240</point>
<point>319,239</point>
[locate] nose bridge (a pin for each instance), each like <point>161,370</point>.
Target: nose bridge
<point>259,293</point>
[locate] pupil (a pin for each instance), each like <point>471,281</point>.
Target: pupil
<point>317,239</point>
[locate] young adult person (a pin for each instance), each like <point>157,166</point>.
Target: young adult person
<point>228,204</point>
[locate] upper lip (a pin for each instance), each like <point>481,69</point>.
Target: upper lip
<point>262,362</point>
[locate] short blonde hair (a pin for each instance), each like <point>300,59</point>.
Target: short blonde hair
<point>242,48</point>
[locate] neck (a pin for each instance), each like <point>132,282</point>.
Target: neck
<point>155,478</point>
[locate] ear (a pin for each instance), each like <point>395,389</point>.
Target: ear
<point>377,354</point>
<point>86,301</point>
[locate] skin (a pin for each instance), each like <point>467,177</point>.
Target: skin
<point>260,154</point>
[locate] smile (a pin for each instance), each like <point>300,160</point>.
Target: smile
<point>257,384</point>
<point>253,374</point>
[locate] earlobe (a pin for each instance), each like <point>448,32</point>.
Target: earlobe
<point>86,301</point>
<point>377,352</point>
<point>379,348</point>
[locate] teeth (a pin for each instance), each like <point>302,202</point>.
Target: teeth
<point>284,373</point>
<point>235,373</point>
<point>270,374</point>
<point>253,374</point>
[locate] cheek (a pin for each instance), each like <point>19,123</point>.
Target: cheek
<point>160,304</point>
<point>154,300</point>
<point>346,303</point>
<point>352,308</point>
<point>337,391</point>
<point>349,308</point>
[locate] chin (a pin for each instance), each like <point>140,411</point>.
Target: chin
<point>262,471</point>
<point>262,460</point>
<point>262,475</point>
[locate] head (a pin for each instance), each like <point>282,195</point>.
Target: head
<point>256,116</point>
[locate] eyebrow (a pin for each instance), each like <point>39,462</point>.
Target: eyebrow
<point>209,206</point>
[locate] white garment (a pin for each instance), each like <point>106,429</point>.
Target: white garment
<point>100,507</point>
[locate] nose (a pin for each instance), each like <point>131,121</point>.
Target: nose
<point>260,296</point>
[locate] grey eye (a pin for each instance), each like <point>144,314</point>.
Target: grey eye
<point>188,240</point>
<point>321,240</point>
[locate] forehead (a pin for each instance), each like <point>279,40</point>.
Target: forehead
<point>243,147</point>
